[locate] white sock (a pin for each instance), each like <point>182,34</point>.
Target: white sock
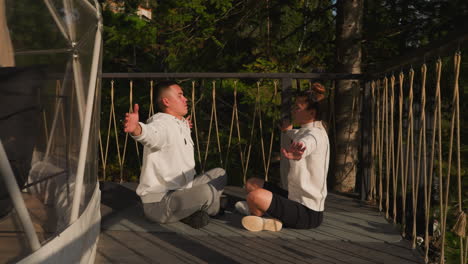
<point>242,207</point>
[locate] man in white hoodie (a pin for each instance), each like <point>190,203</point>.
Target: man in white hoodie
<point>308,151</point>
<point>169,188</point>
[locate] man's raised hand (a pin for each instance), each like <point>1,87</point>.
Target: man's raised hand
<point>131,124</point>
<point>295,151</point>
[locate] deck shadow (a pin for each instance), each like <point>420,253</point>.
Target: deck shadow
<point>346,236</point>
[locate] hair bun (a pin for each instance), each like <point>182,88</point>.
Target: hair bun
<point>315,93</point>
<point>318,88</point>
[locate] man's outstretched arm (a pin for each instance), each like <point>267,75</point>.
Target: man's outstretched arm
<point>131,124</point>
<point>295,151</point>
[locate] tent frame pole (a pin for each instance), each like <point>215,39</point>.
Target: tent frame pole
<point>87,122</point>
<point>12,186</point>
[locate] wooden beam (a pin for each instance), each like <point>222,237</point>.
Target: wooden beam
<point>223,75</point>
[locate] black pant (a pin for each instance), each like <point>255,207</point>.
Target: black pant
<point>291,213</point>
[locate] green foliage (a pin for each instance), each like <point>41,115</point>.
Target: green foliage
<point>396,27</point>
<point>127,35</point>
<point>220,35</point>
<point>225,36</point>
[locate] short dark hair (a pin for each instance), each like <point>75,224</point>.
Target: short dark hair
<point>315,98</point>
<point>158,91</point>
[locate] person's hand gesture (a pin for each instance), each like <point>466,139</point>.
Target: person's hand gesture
<point>131,124</point>
<point>295,151</point>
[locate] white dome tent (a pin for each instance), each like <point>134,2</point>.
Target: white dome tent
<point>50,63</point>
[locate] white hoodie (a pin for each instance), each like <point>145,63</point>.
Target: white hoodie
<point>168,157</point>
<point>307,177</point>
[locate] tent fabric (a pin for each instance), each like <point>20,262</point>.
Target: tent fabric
<point>50,50</point>
<point>77,243</point>
<point>20,114</point>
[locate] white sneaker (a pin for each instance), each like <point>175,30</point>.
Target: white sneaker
<point>242,207</point>
<point>257,223</point>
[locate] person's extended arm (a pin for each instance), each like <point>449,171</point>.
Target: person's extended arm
<point>291,150</point>
<point>294,151</point>
<point>131,124</point>
<point>302,145</point>
<point>152,135</point>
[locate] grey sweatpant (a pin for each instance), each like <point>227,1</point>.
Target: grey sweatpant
<point>178,204</point>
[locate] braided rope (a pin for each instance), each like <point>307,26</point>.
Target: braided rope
<point>248,147</point>
<point>455,118</point>
<point>421,150</point>
<point>392,147</point>
<point>235,117</point>
<point>463,257</point>
<point>431,166</point>
<point>387,148</point>
<point>194,118</point>
<point>428,180</point>
<point>379,139</point>
<point>409,165</point>
<point>372,191</point>
<point>241,153</point>
<point>262,145</point>
<point>151,106</point>
<point>209,136</point>
<point>115,129</point>
<point>104,156</point>
<point>439,127</point>
<point>124,152</point>
<point>216,123</point>
<point>231,126</point>
<point>411,159</point>
<point>400,147</point>
<point>272,135</point>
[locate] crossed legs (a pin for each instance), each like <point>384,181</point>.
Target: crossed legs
<point>176,205</point>
<point>258,199</point>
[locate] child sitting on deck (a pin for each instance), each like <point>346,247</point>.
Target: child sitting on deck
<point>308,151</point>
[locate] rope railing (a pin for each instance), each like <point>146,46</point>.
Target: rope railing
<point>420,170</point>
<point>254,140</point>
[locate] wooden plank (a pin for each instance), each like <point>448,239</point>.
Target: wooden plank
<point>352,232</point>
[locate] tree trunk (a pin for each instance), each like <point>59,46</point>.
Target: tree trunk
<point>348,59</point>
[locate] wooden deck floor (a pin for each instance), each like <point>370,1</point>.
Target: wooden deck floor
<point>351,233</point>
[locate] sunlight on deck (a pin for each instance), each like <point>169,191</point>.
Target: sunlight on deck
<point>352,232</point>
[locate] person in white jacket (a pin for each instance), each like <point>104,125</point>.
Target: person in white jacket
<point>169,188</point>
<point>308,151</point>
